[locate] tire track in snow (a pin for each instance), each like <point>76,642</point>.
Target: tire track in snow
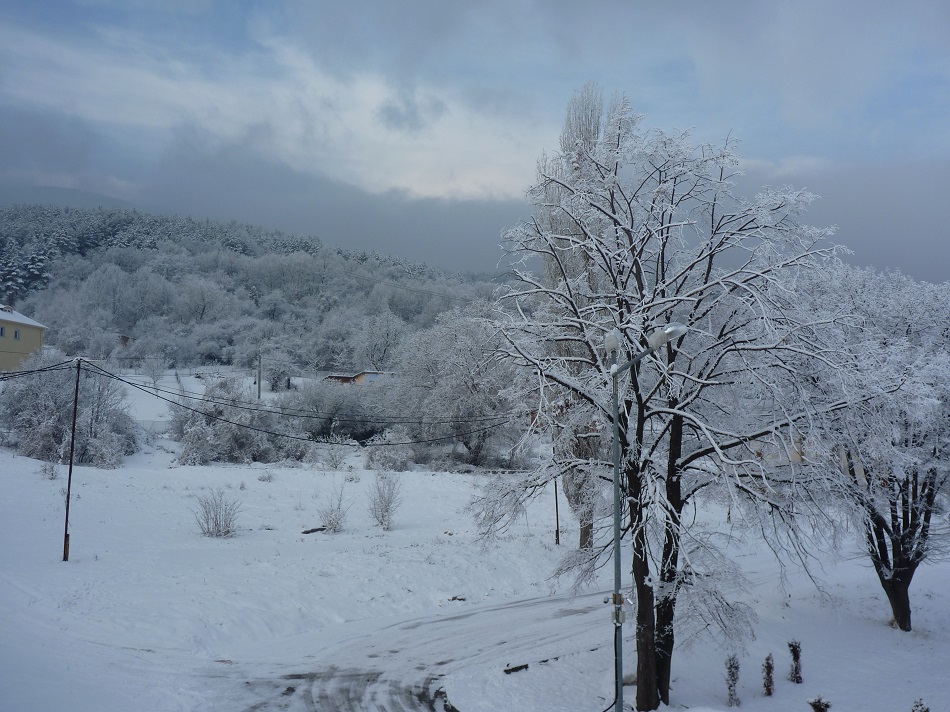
<point>400,667</point>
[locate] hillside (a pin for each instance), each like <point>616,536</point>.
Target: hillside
<point>192,292</point>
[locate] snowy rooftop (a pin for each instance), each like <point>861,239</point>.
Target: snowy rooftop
<point>8,314</point>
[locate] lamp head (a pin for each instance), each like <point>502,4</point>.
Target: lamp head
<point>665,334</point>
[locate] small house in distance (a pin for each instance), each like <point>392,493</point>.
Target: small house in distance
<point>358,378</point>
<point>20,336</point>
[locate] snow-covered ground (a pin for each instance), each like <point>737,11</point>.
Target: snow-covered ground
<point>149,615</point>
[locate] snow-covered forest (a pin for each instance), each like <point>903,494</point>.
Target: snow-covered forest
<point>198,293</point>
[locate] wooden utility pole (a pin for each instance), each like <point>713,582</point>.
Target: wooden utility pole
<point>72,445</point>
<point>258,376</point>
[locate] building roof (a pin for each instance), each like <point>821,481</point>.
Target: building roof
<point>8,314</point>
<point>350,377</point>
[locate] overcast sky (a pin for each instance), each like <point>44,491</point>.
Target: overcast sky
<point>414,127</point>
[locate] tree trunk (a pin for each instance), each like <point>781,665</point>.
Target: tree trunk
<point>664,645</point>
<point>648,697</point>
<point>669,565</point>
<point>578,487</point>
<point>898,595</point>
<point>587,531</point>
<point>894,559</point>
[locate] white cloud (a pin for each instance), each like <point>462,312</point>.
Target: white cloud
<point>278,99</point>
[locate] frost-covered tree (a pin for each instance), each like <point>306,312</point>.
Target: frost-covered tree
<point>891,444</point>
<point>200,301</point>
<point>37,411</point>
<point>376,348</point>
<point>154,366</point>
<point>635,229</point>
<point>450,377</point>
<point>580,447</point>
<point>327,411</point>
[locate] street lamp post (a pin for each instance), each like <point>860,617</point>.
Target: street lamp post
<point>655,340</point>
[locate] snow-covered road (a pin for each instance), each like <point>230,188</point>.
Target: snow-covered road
<point>410,665</point>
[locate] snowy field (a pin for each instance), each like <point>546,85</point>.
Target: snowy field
<point>147,614</point>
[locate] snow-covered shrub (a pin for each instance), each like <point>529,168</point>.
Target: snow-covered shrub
<point>768,675</point>
<point>49,470</point>
<point>106,450</point>
<point>223,427</point>
<point>385,496</point>
<point>919,706</point>
<point>37,410</point>
<point>276,364</point>
<point>732,679</point>
<point>336,410</point>
<point>332,451</point>
<point>217,513</point>
<point>293,450</point>
<point>795,674</point>
<point>333,512</point>
<point>819,705</point>
<point>197,439</point>
<point>390,451</point>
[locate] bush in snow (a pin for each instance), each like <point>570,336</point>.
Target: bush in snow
<point>222,427</point>
<point>919,706</point>
<point>49,470</point>
<point>732,679</point>
<point>385,496</point>
<point>37,411</point>
<point>336,410</point>
<point>795,674</point>
<point>819,705</point>
<point>333,512</point>
<point>332,451</point>
<point>768,675</point>
<point>390,451</point>
<point>217,514</point>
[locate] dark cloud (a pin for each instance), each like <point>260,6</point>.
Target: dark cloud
<point>884,212</point>
<point>35,143</point>
<point>407,113</point>
<point>231,182</point>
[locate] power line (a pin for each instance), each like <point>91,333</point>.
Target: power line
<point>291,436</point>
<point>298,413</point>
<point>98,370</point>
<point>491,421</point>
<point>55,367</point>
